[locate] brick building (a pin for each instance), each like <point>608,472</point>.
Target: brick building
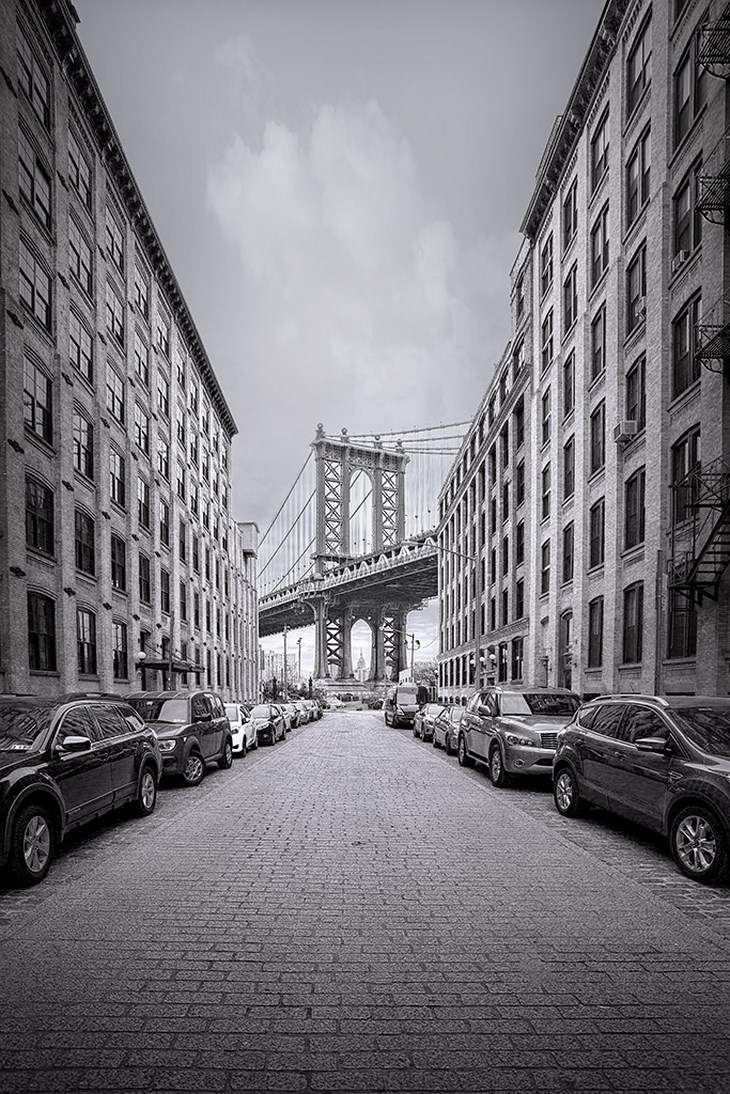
<point>593,487</point>
<point>116,533</point>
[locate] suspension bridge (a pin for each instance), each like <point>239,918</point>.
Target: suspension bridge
<point>355,538</point>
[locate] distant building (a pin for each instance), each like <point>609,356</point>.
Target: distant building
<point>585,525</point>
<point>121,564</point>
<point>361,669</point>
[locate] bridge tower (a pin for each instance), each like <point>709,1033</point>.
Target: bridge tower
<point>337,461</point>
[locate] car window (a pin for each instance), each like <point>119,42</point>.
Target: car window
<point>455,714</point>
<point>260,711</point>
<point>22,726</point>
<point>586,716</point>
<point>77,722</point>
<point>540,702</point>
<point>707,727</point>
<point>475,702</point>
<point>606,720</point>
<point>110,721</point>
<point>642,722</point>
<point>199,707</point>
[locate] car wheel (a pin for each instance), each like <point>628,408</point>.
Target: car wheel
<point>244,748</point>
<point>465,759</point>
<point>415,731</point>
<point>194,772</point>
<point>31,845</point>
<point>447,745</point>
<point>698,843</point>
<point>226,760</point>
<point>146,793</point>
<point>497,773</point>
<point>434,742</point>
<point>566,794</point>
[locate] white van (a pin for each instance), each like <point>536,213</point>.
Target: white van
<point>401,705</point>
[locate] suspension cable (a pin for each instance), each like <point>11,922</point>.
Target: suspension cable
<point>287,533</point>
<point>286,499</point>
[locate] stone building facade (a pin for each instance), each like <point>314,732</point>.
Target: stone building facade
<point>602,566</point>
<point>120,563</point>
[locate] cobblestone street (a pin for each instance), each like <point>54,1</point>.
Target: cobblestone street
<point>351,911</point>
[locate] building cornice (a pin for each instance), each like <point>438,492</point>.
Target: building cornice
<point>60,18</point>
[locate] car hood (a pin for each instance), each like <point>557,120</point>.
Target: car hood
<point>12,760</point>
<point>539,723</point>
<point>169,729</point>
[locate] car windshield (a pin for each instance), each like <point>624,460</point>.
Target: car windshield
<point>233,711</point>
<point>406,695</point>
<point>162,710</point>
<point>260,712</point>
<point>21,726</point>
<point>539,703</point>
<point>707,727</point>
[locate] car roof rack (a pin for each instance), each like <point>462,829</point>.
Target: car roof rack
<point>632,695</point>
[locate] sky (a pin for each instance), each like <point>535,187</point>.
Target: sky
<point>338,185</point>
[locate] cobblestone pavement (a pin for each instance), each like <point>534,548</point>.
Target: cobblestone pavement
<point>351,911</point>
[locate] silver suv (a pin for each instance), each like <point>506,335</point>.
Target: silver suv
<point>661,761</point>
<point>514,729</point>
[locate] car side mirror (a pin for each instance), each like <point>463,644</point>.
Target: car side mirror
<point>207,717</point>
<point>75,744</point>
<point>653,744</point>
<point>485,711</point>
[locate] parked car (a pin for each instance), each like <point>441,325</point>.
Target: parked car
<point>401,705</point>
<point>335,704</point>
<point>312,709</point>
<point>661,761</point>
<point>63,762</point>
<point>291,714</point>
<point>192,729</point>
<point>424,720</point>
<point>243,731</point>
<point>514,730</point>
<point>446,728</point>
<point>270,724</point>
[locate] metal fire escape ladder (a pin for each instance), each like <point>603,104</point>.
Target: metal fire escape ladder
<point>712,337</point>
<point>698,570</point>
<point>713,191</point>
<point>714,51</point>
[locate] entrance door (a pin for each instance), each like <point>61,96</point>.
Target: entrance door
<point>565,658</point>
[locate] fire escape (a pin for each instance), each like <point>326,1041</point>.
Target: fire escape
<point>700,550</point>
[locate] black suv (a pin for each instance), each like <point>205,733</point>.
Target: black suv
<point>63,762</point>
<point>661,761</point>
<point>192,730</point>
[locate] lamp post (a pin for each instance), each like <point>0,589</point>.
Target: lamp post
<point>283,679</point>
<point>299,646</point>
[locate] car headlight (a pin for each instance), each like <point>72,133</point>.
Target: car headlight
<point>167,746</point>
<point>511,739</point>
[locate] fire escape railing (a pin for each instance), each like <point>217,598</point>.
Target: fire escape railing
<point>714,51</point>
<point>712,336</point>
<point>700,540</point>
<point>713,192</point>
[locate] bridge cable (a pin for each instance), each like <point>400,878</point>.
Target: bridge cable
<point>286,499</point>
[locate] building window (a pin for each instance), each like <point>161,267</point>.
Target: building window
<point>518,363</point>
<point>163,395</point>
<point>686,365</point>
<point>119,653</point>
<point>570,299</point>
<point>194,498</point>
<point>633,623</point>
<point>568,552</point>
<point>80,348</point>
<point>636,393</point>
<point>181,433</point>
<point>570,214</point>
<point>546,340</point>
<point>569,468</point>
<point>182,540</point>
<point>117,491</point>
<point>518,645</point>
<point>143,503</point>
<point>141,429</point>
<point>164,590</point>
<point>685,465</point>
<point>35,286</point>
<point>163,333</point>
<point>164,523</point>
<point>142,358</point>
<point>114,241</point>
<point>599,152</point>
<point>595,633</point>
<point>180,370</point>
<point>84,533</point>
<point>38,516</point>
<point>545,416</point>
<point>33,81</point>
<point>79,171</point>
<point>504,438</point>
<point>545,568</point>
<point>41,633</point>
<point>687,218</point>
<point>83,445</point>
<point>599,247</point>
<point>163,458</point>
<point>180,480</point>
<point>596,534</point>
<point>37,401</point>
<point>196,610</point>
<point>634,509</point>
<point>682,629</point>
<point>145,586</point>
<point>638,68</point>
<point>119,564</point>
<point>115,394</point>
<point>545,479</point>
<point>520,483</point>
<point>520,299</point>
<point>34,181</point>
<point>568,384</point>
<point>689,90</point>
<point>636,289</point>
<point>598,344</point>
<point>638,177</point>
<point>114,315</point>
<point>505,555</point>
<point>142,293</point>
<point>519,601</point>
<point>598,438</point>
<point>519,420</point>
<point>86,642</point>
<point>183,602</point>
<point>505,501</point>
<point>546,265</point>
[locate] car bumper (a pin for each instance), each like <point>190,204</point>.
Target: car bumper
<point>524,760</point>
<point>173,762</point>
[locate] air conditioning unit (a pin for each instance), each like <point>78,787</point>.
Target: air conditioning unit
<point>679,260</point>
<point>624,431</point>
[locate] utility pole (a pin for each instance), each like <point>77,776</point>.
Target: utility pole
<point>413,654</point>
<point>284,682</point>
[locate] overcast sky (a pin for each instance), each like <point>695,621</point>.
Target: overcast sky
<point>339,186</point>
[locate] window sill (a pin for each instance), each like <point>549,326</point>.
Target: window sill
<point>686,140</point>
<point>634,553</point>
<point>597,570</point>
<point>689,263</point>
<point>685,397</point>
<point>598,284</point>
<point>38,442</point>
<point>568,334</point>
<point>637,110</point>
<point>40,556</point>
<point>635,333</point>
<point>599,187</point>
<point>51,673</point>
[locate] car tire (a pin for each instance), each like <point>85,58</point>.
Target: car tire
<point>434,742</point>
<point>244,748</point>
<point>415,732</point>
<point>698,844</point>
<point>497,774</point>
<point>465,759</point>
<point>194,772</point>
<point>447,747</point>
<point>32,844</point>
<point>566,794</point>
<point>146,800</point>
<point>226,759</point>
